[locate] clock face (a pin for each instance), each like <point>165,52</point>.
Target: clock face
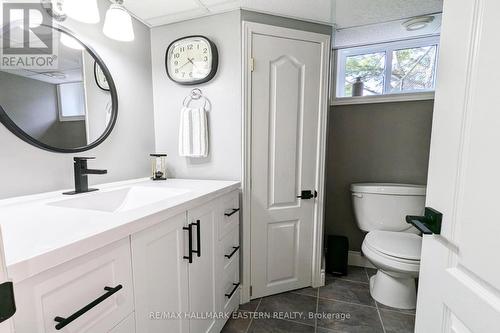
<point>192,60</point>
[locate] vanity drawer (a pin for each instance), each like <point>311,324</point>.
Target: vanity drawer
<point>230,291</point>
<point>230,213</point>
<point>229,248</point>
<point>99,282</point>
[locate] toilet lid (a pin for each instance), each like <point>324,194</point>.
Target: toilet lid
<point>395,244</point>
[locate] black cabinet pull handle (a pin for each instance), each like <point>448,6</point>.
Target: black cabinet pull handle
<point>233,211</point>
<point>189,229</point>
<point>63,322</point>
<point>198,238</point>
<point>236,285</point>
<point>230,255</point>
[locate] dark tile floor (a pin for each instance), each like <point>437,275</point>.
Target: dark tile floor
<point>342,305</point>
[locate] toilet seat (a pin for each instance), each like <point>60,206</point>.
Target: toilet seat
<point>397,245</point>
<point>394,252</point>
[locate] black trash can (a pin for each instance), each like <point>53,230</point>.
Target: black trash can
<point>337,249</point>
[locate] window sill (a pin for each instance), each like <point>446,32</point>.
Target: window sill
<point>420,96</point>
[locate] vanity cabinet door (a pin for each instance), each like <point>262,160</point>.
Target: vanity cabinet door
<point>202,273</point>
<point>161,277</point>
<point>92,293</point>
<point>126,326</point>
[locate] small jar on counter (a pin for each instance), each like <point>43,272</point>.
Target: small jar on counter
<point>158,167</point>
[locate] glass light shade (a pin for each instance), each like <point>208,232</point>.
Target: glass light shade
<point>118,24</point>
<point>70,42</point>
<point>85,11</point>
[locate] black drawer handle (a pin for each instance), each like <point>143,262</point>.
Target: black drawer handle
<point>233,211</point>
<point>230,255</point>
<point>236,285</point>
<point>189,229</point>
<point>62,322</point>
<point>198,238</point>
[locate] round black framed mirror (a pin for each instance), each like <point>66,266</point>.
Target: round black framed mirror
<point>59,108</point>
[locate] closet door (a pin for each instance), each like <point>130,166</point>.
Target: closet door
<point>287,84</point>
<point>202,298</point>
<point>161,277</point>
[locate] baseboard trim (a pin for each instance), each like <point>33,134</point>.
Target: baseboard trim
<point>356,258</point>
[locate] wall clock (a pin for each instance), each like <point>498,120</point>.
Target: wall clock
<point>191,60</point>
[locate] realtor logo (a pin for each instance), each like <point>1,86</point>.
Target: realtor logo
<point>27,37</point>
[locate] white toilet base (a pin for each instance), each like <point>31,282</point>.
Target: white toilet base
<point>396,292</point>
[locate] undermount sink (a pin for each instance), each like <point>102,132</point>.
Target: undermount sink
<point>120,200</point>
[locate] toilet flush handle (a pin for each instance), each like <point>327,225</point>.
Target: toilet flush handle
<point>357,195</point>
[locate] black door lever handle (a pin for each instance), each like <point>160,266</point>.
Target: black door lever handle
<point>307,195</point>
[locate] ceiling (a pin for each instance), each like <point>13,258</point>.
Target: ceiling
<point>351,13</point>
<point>348,13</point>
<point>69,63</point>
<point>159,12</point>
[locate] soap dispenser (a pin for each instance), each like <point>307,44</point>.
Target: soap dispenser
<point>158,167</point>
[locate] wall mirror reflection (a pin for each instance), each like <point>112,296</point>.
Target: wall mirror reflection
<point>63,109</point>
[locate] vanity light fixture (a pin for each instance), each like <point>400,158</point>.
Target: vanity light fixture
<point>418,23</point>
<point>85,11</point>
<point>118,23</point>
<point>70,42</point>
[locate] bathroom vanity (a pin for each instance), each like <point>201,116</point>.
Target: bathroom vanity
<point>136,256</point>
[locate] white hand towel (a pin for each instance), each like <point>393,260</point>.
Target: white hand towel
<point>193,133</point>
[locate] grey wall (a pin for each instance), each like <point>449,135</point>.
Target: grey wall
<point>25,169</point>
<point>32,105</point>
<point>383,142</point>
<point>97,101</point>
<point>224,93</point>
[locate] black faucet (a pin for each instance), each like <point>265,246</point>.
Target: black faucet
<point>81,172</point>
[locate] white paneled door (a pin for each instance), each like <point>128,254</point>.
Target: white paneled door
<point>286,102</point>
<point>459,288</point>
<point>5,326</point>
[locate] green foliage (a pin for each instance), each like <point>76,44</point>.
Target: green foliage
<point>412,69</point>
<point>370,68</point>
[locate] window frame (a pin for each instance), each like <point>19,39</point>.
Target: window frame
<point>388,49</point>
<point>60,104</point>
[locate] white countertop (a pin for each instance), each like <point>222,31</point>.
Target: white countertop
<point>38,236</point>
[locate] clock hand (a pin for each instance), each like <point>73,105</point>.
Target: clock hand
<point>189,61</point>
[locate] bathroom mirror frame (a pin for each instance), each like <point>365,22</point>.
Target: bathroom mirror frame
<point>20,133</point>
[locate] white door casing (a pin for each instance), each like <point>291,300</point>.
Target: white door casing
<point>285,141</point>
<point>459,286</point>
<point>6,326</point>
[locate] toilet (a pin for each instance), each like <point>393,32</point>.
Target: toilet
<point>391,245</point>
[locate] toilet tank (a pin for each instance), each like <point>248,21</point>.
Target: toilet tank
<point>384,206</point>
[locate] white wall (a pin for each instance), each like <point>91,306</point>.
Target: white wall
<point>25,169</point>
<point>224,92</point>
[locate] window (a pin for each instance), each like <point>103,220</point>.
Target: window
<point>389,68</point>
<point>71,101</point>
